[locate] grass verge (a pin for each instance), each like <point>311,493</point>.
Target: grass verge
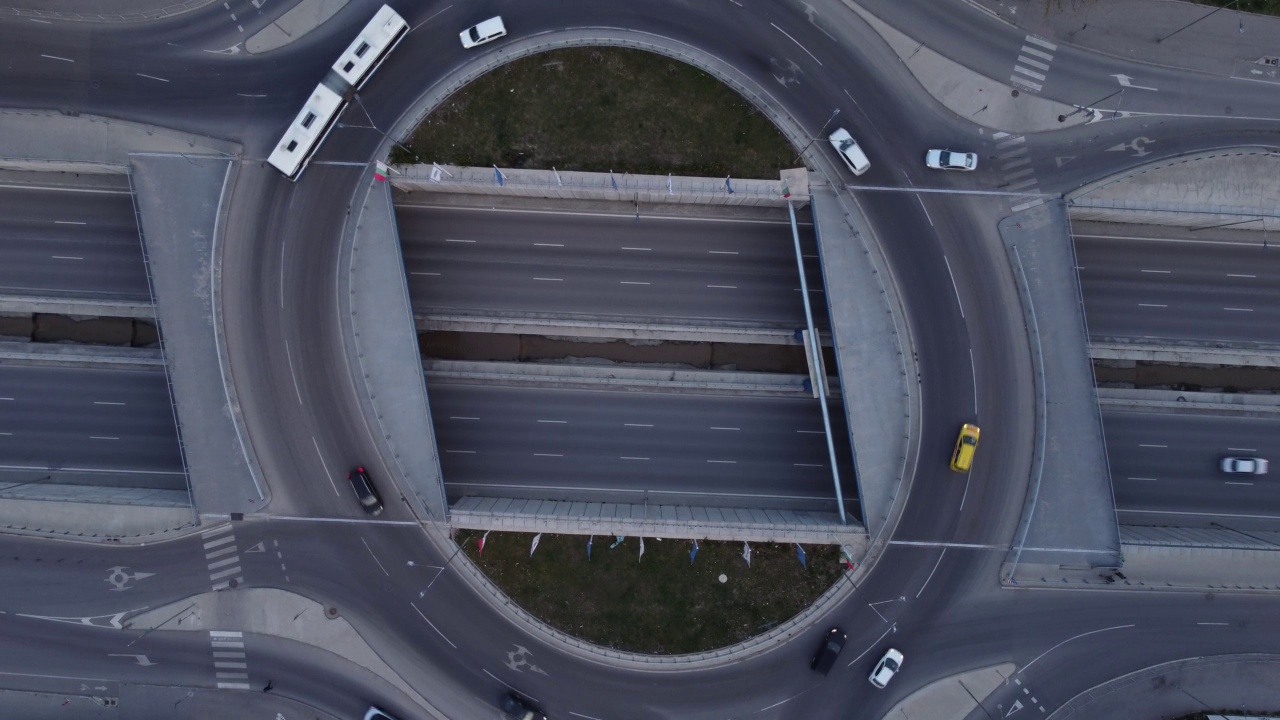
<point>660,604</point>
<point>601,109</point>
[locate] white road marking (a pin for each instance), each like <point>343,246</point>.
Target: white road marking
<point>42,22</point>
<point>288,355</point>
<point>1016,152</point>
<point>151,77</point>
<point>1214,623</point>
<point>892,628</point>
<point>624,457</point>
<point>1033,63</point>
<point>1238,309</point>
<point>1037,53</point>
<point>102,437</point>
<point>547,455</point>
<point>550,279</point>
<point>462,417</point>
<point>1152,446</point>
<point>105,402</point>
<point>458,241</point>
<point>1016,163</point>
<point>1145,479</point>
<point>1243,449</point>
<point>724,428</point>
<point>931,572</point>
<point>1042,43</point>
<point>325,465</point>
<point>1241,276</point>
<point>1233,482</point>
<point>1023,670</point>
<point>953,284</point>
<point>722,252</point>
<point>812,465</point>
<point>813,432</point>
<point>69,222</point>
<point>637,425</point>
<point>554,422</point>
<point>433,627</point>
<point>548,244</point>
<point>926,211</point>
<point>1169,240</point>
<point>1021,173</point>
<point>55,57</point>
<point>1027,205</point>
<point>1023,184</point>
<point>1017,140</point>
<point>797,42</point>
<point>375,557</point>
<point>66,257</point>
<point>1162,272</point>
<point>724,287</point>
<point>1151,305</point>
<point>632,282</point>
<point>724,462</point>
<point>638,248</point>
<point>1028,73</point>
<point>461,452</point>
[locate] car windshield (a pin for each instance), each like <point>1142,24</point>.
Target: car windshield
<point>945,158</point>
<point>846,144</point>
<point>475,33</point>
<point>891,665</point>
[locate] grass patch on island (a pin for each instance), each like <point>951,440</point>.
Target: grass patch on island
<point>659,604</point>
<point>601,109</point>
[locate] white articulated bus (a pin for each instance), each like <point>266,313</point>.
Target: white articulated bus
<point>320,113</point>
<point>374,43</point>
<point>306,132</point>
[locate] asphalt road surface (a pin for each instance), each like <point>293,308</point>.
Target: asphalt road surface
<point>1165,464</point>
<point>81,419</point>
<point>576,264</point>
<point>81,243</point>
<point>1178,286</point>
<point>617,446</point>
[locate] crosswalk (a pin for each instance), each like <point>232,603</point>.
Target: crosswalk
<point>229,663</point>
<point>223,557</point>
<point>1033,62</point>
<point>1019,176</point>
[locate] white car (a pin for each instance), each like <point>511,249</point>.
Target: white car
<point>1244,466</point>
<point>490,29</point>
<point>849,151</point>
<point>886,668</point>
<point>951,160</point>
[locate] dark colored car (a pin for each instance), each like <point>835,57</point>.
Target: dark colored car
<point>518,709</point>
<point>366,493</point>
<point>832,644</point>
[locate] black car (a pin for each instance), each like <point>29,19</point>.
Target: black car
<point>832,644</point>
<point>366,493</point>
<point>518,709</point>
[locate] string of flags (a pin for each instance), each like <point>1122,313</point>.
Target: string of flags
<point>845,557</point>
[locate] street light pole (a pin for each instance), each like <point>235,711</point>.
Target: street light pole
<point>1082,108</point>
<point>812,139</point>
<point>1193,22</point>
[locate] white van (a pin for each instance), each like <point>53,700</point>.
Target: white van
<point>490,29</point>
<point>849,151</point>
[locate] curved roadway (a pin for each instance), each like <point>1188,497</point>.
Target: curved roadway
<point>283,254</point>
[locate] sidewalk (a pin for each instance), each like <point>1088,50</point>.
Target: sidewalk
<point>1224,43</point>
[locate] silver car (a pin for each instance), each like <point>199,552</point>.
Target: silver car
<point>1244,466</point>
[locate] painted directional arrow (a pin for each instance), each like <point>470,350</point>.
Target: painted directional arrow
<point>1126,81</point>
<point>142,659</point>
<point>1015,707</point>
<point>121,579</point>
<point>260,547</point>
<point>91,621</point>
<point>1138,145</point>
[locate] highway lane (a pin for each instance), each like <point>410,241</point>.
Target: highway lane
<point>578,264</point>
<point>1178,286</point>
<point>1166,465</point>
<point>87,419</point>
<point>614,446</point>
<point>60,241</point>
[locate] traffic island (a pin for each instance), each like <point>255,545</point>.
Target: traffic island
<point>670,600</point>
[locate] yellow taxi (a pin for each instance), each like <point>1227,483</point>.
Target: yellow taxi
<point>966,446</point>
